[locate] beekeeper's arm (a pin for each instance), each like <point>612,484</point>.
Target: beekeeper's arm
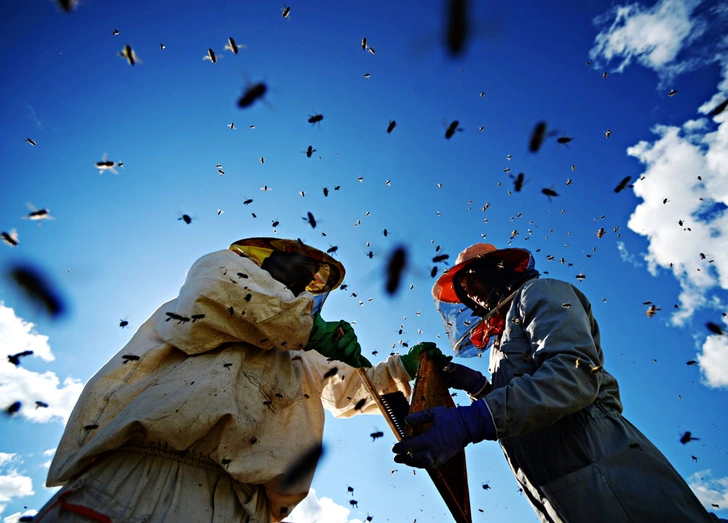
<point>228,298</point>
<point>559,337</point>
<point>342,390</point>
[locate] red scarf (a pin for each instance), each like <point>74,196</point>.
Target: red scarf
<point>493,326</point>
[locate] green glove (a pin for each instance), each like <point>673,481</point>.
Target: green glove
<point>411,360</point>
<point>336,340</point>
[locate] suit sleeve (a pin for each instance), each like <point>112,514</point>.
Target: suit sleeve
<point>567,359</point>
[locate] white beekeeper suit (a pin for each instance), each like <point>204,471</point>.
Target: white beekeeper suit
<point>207,407</point>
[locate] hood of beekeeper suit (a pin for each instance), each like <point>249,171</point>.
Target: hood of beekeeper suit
<point>472,296</point>
<point>297,265</point>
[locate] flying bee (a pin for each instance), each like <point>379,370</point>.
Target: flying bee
<point>123,323</point>
<point>251,94</point>
<point>354,503</point>
<point>232,126</point>
<point>232,46</point>
<point>652,310</point>
<point>391,126</point>
<point>304,465</point>
<point>367,75</point>
<point>549,192</point>
<point>564,140</point>
<point>129,357</point>
<point>605,74</point>
<point>210,56</point>
<point>395,267</point>
<point>106,165</point>
<point>68,5</point>
<point>452,129</point>
<point>15,358</point>
<point>248,201</point>
<point>13,408</point>
<point>115,32</point>
<point>332,249</point>
<point>371,50</point>
<point>622,184</point>
<point>275,223</point>
<point>331,372</point>
<point>607,133</point>
<point>185,218</point>
<point>41,404</point>
<point>537,137</point>
<point>315,118</point>
<point>457,31</point>
<point>311,220</point>
<point>580,276</point>
<point>714,328</point>
<point>600,233</point>
<point>161,47</point>
<point>129,55</point>
<point>31,142</point>
<point>38,289</point>
<point>687,437</point>
<point>440,258</point>
<point>309,151</point>
<point>672,92</point>
<point>518,182</point>
<point>285,11</point>
<point>11,238</point>
<point>719,108</point>
<point>364,44</point>
<point>376,435</point>
<point>433,271</point>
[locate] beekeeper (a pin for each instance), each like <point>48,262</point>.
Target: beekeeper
<point>204,413</point>
<point>552,406</point>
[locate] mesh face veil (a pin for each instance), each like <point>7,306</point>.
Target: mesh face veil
<point>299,266</point>
<point>472,296</point>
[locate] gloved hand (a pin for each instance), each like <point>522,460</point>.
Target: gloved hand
<point>464,378</point>
<point>452,429</point>
<point>411,360</point>
<point>336,340</point>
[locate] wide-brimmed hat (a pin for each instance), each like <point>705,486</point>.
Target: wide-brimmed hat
<point>517,260</point>
<point>328,273</point>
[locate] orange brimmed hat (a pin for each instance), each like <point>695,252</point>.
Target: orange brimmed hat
<point>519,260</point>
<point>329,272</point>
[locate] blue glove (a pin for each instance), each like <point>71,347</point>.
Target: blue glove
<point>452,429</point>
<point>464,378</point>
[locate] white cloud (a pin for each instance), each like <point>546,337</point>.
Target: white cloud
<point>651,36</point>
<point>714,361</point>
<point>14,484</point>
<point>627,256</point>
<point>324,510</point>
<point>708,490</point>
<point>17,335</point>
<point>20,384</point>
<point>14,518</point>
<point>685,218</point>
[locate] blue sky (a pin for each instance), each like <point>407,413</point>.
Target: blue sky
<point>116,248</point>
